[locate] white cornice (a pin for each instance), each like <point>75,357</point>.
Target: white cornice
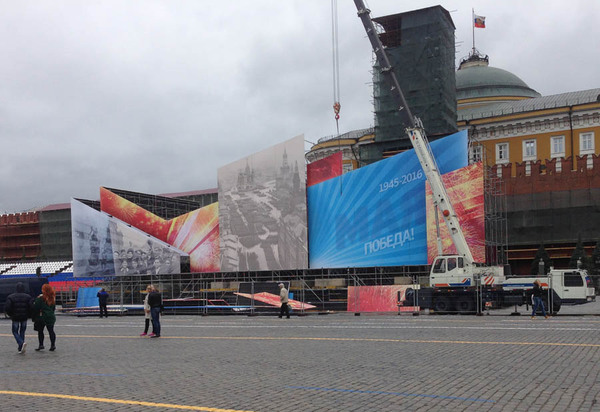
<point>557,123</point>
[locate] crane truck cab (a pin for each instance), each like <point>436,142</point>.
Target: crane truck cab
<point>454,271</point>
<point>572,286</point>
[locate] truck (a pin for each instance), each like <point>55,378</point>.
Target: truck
<point>457,282</point>
<point>456,288</point>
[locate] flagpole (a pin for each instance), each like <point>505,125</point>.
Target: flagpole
<point>473,26</point>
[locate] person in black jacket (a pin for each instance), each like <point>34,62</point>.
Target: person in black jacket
<point>103,302</point>
<point>537,299</point>
<point>18,307</point>
<point>156,307</point>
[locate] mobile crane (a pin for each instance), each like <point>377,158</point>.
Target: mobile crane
<point>457,283</point>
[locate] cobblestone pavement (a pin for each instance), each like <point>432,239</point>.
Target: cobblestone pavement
<point>336,362</point>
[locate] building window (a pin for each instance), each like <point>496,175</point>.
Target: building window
<point>476,153</point>
<point>557,146</point>
<point>586,143</point>
<point>501,152</point>
<point>529,150</point>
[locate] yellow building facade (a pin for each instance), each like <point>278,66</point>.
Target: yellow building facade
<point>508,122</point>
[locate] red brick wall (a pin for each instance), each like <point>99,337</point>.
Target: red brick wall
<point>545,178</point>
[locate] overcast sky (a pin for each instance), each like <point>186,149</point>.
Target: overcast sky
<point>155,96</point>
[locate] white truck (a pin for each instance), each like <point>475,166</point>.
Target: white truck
<point>457,283</point>
<point>457,288</point>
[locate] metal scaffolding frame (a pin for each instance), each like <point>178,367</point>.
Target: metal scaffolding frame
<point>420,46</point>
<point>495,207</point>
<point>326,289</point>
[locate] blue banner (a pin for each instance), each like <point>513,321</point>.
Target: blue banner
<point>376,215</point>
<point>87,297</point>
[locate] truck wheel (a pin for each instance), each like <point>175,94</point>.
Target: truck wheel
<point>465,305</point>
<point>441,305</point>
<point>556,308</point>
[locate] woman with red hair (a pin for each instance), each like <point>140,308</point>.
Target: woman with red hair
<point>45,305</point>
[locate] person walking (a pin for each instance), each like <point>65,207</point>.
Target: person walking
<point>18,307</point>
<point>284,299</point>
<point>156,307</point>
<point>147,315</point>
<point>537,299</point>
<point>44,307</point>
<point>103,302</point>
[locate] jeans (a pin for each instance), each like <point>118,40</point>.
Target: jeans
<point>537,302</point>
<point>155,313</point>
<point>50,333</point>
<point>18,330</point>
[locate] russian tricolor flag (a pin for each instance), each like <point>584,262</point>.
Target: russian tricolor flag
<point>479,21</point>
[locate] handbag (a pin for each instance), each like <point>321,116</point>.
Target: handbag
<point>38,322</point>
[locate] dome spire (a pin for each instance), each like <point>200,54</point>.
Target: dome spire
<point>475,58</point>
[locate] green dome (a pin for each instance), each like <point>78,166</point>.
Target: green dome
<point>476,79</point>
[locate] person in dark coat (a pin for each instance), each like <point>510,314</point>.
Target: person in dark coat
<point>102,302</point>
<point>18,307</point>
<point>156,307</point>
<point>44,307</point>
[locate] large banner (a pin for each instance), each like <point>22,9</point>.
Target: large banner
<point>262,210</point>
<point>375,298</point>
<point>196,232</point>
<point>105,246</point>
<point>465,190</point>
<point>375,216</point>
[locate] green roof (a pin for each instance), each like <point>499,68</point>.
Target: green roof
<point>480,81</point>
<point>529,105</point>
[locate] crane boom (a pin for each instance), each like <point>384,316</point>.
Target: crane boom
<point>417,137</point>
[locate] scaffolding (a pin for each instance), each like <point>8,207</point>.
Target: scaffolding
<point>55,235</point>
<point>420,46</point>
<point>496,223</point>
<point>216,292</point>
<point>495,206</point>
